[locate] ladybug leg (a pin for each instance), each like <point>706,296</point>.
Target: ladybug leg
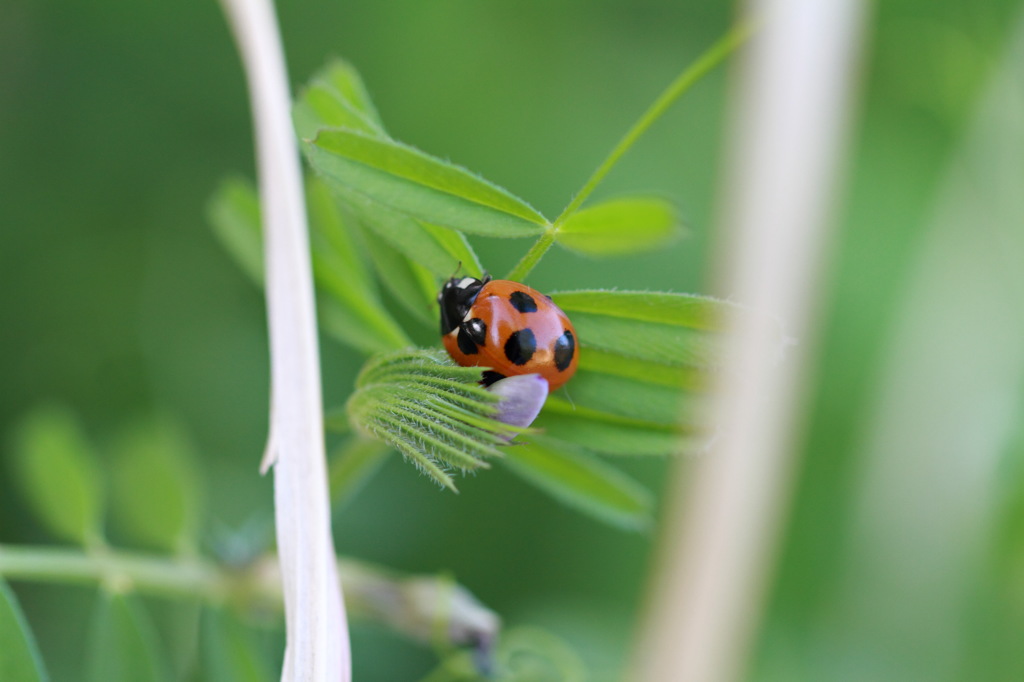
<point>490,376</point>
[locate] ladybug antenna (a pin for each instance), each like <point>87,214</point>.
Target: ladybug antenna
<point>457,268</point>
<point>486,278</point>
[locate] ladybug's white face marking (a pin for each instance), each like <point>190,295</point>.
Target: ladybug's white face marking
<point>465,282</point>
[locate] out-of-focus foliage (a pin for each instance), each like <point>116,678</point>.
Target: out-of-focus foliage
<point>155,493</point>
<point>229,651</point>
<point>117,120</point>
<point>124,646</point>
<point>19,658</point>
<point>56,471</point>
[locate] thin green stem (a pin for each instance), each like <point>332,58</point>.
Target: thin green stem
<point>714,56</point>
<point>125,570</point>
<point>533,256</point>
<point>403,602</point>
<point>705,63</point>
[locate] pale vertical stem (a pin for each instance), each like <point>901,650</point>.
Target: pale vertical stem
<point>937,446</point>
<point>317,647</point>
<point>789,118</point>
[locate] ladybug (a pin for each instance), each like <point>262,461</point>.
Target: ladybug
<point>508,327</point>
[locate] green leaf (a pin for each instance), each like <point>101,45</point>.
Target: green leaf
<point>19,656</point>
<point>234,214</point>
<point>366,336</point>
<point>55,468</point>
<point>620,226</point>
<point>647,341</point>
<point>411,284</point>
<point>621,415</point>
<point>610,437</point>
<point>458,247</point>
<point>604,362</point>
<point>155,499</point>
<point>178,622</point>
<point>677,310</point>
<point>432,411</point>
<point>535,655</point>
<point>352,466</point>
<point>352,312</point>
<point>438,249</point>
<point>522,655</point>
<point>581,481</point>
<point>339,265</point>
<point>669,329</point>
<point>335,98</point>
<point>643,356</point>
<point>343,79</point>
<point>123,643</point>
<point>351,309</point>
<point>401,232</point>
<point>230,653</point>
<point>319,107</point>
<point>410,181</point>
<point>633,399</point>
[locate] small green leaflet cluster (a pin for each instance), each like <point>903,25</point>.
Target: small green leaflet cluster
<point>383,214</point>
<point>151,498</point>
<point>433,412</point>
<point>124,645</point>
<point>150,501</point>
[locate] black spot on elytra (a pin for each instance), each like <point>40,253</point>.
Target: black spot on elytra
<point>520,346</point>
<point>490,376</point>
<point>465,341</point>
<point>565,347</point>
<point>523,302</point>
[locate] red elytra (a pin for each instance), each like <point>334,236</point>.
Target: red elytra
<point>508,327</point>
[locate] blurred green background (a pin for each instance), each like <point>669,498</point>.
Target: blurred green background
<point>118,118</point>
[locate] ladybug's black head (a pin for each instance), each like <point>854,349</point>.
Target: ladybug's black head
<point>456,297</point>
